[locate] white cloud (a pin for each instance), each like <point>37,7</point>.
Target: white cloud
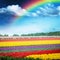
<point>58,8</point>
<point>38,12</point>
<point>49,10</point>
<point>44,10</point>
<point>34,14</point>
<point>49,4</point>
<point>17,9</point>
<point>14,9</point>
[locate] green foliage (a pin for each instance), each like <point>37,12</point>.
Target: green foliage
<point>57,33</point>
<point>11,58</point>
<point>1,35</point>
<point>15,35</point>
<point>6,35</point>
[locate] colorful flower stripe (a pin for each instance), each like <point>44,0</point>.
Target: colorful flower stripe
<point>28,43</point>
<point>22,47</point>
<point>46,56</point>
<point>27,53</point>
<point>28,39</point>
<point>29,48</point>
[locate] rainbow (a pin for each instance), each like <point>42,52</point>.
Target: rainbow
<point>36,3</point>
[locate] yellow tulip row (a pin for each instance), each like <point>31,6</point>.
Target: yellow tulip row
<point>28,43</point>
<point>46,56</point>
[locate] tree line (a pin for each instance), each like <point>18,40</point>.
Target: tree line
<point>57,33</point>
<point>43,34</point>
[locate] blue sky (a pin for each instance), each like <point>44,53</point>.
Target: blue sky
<point>44,18</point>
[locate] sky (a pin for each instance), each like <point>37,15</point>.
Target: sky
<point>22,3</point>
<point>16,19</point>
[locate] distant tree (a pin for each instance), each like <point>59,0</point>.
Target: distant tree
<point>1,35</point>
<point>15,35</point>
<point>57,33</point>
<point>6,35</point>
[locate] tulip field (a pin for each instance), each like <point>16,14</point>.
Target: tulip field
<point>35,47</point>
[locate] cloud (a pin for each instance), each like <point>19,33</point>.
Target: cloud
<point>49,10</point>
<point>50,4</point>
<point>45,10</point>
<point>6,17</point>
<point>58,8</point>
<point>38,12</point>
<point>34,14</point>
<point>3,10</point>
<point>17,9</point>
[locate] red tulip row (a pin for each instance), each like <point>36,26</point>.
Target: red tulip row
<point>27,53</point>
